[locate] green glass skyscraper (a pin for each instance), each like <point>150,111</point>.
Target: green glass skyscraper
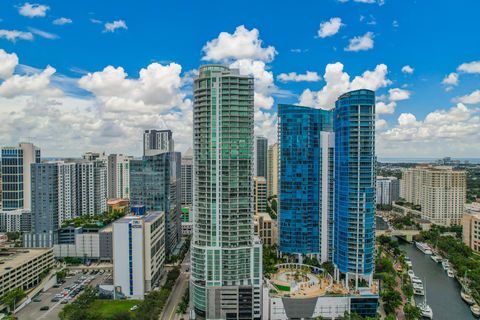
<point>226,257</point>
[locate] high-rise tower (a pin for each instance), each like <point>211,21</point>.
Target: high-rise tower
<point>226,257</point>
<point>260,150</point>
<point>355,178</point>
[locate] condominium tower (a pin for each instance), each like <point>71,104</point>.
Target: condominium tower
<point>388,189</point>
<point>260,149</point>
<point>272,170</point>
<point>118,176</point>
<point>15,172</point>
<point>355,177</point>
<point>157,141</point>
<point>187,178</point>
<point>226,278</point>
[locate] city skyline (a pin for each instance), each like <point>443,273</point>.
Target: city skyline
<point>427,103</point>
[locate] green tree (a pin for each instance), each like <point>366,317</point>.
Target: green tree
<point>392,300</point>
<point>13,236</point>
<point>12,297</point>
<point>412,312</point>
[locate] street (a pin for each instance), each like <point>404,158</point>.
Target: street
<point>32,310</point>
<point>169,312</point>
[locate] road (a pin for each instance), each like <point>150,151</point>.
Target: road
<point>32,310</point>
<point>169,312</point>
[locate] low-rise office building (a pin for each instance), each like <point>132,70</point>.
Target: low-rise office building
<point>265,228</point>
<point>21,268</point>
<point>138,253</point>
<point>118,205</point>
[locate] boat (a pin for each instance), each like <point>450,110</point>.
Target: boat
<point>466,297</point>
<point>416,280</point>
<point>475,310</point>
<point>425,309</point>
<point>409,263</point>
<point>423,247</point>
<point>411,273</point>
<point>436,258</point>
<point>450,273</point>
<point>418,291</point>
<point>445,265</point>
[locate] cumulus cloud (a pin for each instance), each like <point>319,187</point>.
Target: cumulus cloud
<point>330,27</point>
<point>338,82</point>
<point>310,76</point>
<point>112,26</point>
<point>32,10</point>
<point>242,44</point>
<point>385,108</point>
<point>361,43</point>
<point>8,62</point>
<point>407,69</point>
<point>61,21</point>
<point>451,79</point>
<point>13,35</point>
<point>35,84</point>
<point>472,98</point>
<point>470,67</point>
<point>397,94</point>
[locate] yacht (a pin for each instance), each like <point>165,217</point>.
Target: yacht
<point>409,263</point>
<point>411,274</point>
<point>445,265</point>
<point>424,248</point>
<point>425,308</point>
<point>418,291</point>
<point>450,273</point>
<point>416,280</point>
<point>436,258</point>
<point>466,297</point>
<point>475,310</point>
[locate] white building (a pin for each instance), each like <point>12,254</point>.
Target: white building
<point>157,141</point>
<point>388,190</point>
<point>138,253</point>
<point>15,220</point>
<point>118,176</point>
<point>187,178</point>
<point>439,190</point>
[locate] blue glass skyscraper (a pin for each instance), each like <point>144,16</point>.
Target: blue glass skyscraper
<point>302,133</point>
<point>354,125</point>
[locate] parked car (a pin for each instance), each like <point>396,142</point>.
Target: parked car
<point>44,308</point>
<point>37,300</point>
<point>55,300</point>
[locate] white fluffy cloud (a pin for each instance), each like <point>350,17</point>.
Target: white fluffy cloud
<point>397,94</point>
<point>13,35</point>
<point>114,25</point>
<point>330,27</point>
<point>385,108</point>
<point>472,98</point>
<point>407,69</point>
<point>338,82</point>
<point>242,44</point>
<point>361,43</point>
<point>310,76</point>
<point>451,79</point>
<point>8,62</point>
<point>32,10</point>
<point>35,84</point>
<point>61,21</point>
<point>470,67</point>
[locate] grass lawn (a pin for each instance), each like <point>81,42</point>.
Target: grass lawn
<point>107,308</point>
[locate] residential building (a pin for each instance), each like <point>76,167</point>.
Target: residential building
<point>260,150</point>
<point>138,253</point>
<point>265,228</point>
<point>157,141</point>
<point>155,183</point>
<point>15,220</point>
<point>305,182</point>
<point>187,178</point>
<point>226,273</point>
<point>118,176</point>
<point>354,228</point>
<point>259,194</point>
<point>388,190</point>
<point>471,226</point>
<point>22,268</point>
<point>439,190</point>
<point>16,186</point>
<point>272,170</point>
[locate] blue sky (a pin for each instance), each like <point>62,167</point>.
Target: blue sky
<point>70,111</point>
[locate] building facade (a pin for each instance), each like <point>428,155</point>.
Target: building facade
<point>439,190</point>
<point>305,180</point>
<point>16,175</point>
<point>226,277</point>
<point>15,221</point>
<point>155,182</point>
<point>471,226</point>
<point>259,194</point>
<point>118,176</point>
<point>138,253</point>
<point>265,228</point>
<point>355,177</point>
<point>388,190</point>
<point>157,141</point>
<point>272,170</point>
<point>187,178</point>
<point>260,150</point>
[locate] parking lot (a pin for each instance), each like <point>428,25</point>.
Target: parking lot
<point>60,296</point>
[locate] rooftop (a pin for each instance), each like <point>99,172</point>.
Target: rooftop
<point>13,258</point>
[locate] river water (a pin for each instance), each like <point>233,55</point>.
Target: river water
<point>443,293</point>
